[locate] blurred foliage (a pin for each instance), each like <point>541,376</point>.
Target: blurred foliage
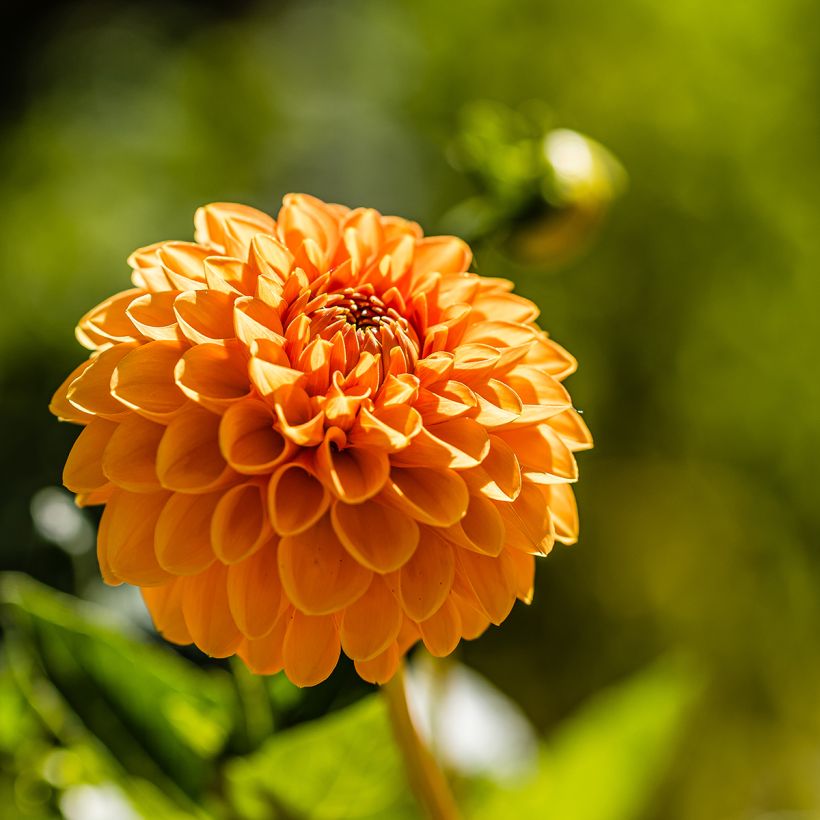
<point>90,705</point>
<point>692,316</point>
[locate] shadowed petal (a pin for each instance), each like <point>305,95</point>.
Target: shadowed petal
<point>130,456</point>
<point>431,496</point>
<point>183,535</point>
<point>318,574</point>
<point>296,499</point>
<point>240,522</point>
<point>311,648</point>
<point>426,579</point>
<point>207,614</point>
<point>441,632</point>
<point>83,472</point>
<point>371,624</point>
<point>377,536</point>
<point>255,592</point>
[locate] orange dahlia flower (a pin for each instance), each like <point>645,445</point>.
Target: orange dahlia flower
<point>321,433</point>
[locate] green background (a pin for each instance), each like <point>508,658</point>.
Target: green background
<point>694,315</point>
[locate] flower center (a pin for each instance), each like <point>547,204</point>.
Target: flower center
<point>365,323</point>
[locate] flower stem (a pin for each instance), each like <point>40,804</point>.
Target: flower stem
<point>426,779</point>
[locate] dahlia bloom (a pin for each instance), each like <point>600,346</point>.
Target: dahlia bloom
<point>321,433</point>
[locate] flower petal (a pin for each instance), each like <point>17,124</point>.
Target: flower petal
<point>441,254</point>
<point>130,456</point>
<point>543,455</point>
<point>91,390</point>
<point>183,535</point>
<point>214,375</point>
<point>371,624</point>
<point>381,538</point>
<point>318,574</point>
<point>296,499</point>
<point>188,457</point>
<point>153,315</point>
<point>61,407</point>
<point>240,523</point>
<point>165,605</point>
<point>352,474</point>
<point>311,648</point>
<point>144,380</point>
<point>459,444</point>
<point>255,592</point>
<point>126,537</point>
<point>441,632</point>
<point>492,580</point>
<point>482,528</point>
<point>380,669</point>
<point>427,578</point>
<point>564,513</point>
<point>83,471</point>
<point>205,316</point>
<point>431,496</point>
<point>108,322</point>
<point>207,613</point>
<point>264,655</point>
<point>498,476</point>
<point>248,440</point>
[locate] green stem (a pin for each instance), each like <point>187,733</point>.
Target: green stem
<point>426,779</point>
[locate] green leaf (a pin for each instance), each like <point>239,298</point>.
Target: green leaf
<point>605,762</point>
<point>161,719</point>
<point>344,766</point>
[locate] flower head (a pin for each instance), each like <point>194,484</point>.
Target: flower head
<point>321,433</point>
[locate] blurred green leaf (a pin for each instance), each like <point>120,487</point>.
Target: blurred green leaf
<point>344,766</point>
<point>605,762</point>
<point>160,718</point>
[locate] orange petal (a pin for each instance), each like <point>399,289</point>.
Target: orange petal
<point>381,668</point>
<point>498,476</point>
<point>254,319</point>
<point>227,226</point>
<point>226,274</point>
<point>311,648</point>
<point>564,512</point>
<point>144,380</point>
<point>523,570</point>
<point>296,499</point>
<point>352,474</point>
<point>205,315</point>
<point>165,605</point>
<point>248,440</point>
<point>130,456</point>
<point>388,428</point>
<point>214,375</point>
<point>371,624</point>
<point>317,573</point>
<point>543,455</point>
<point>182,263</point>
<point>255,592</point>
<point>298,420</point>
<point>473,622</point>
<point>126,537</point>
<point>426,579</point>
<point>379,537</point>
<point>530,516</point>
<point>240,523</point>
<point>61,407</point>
<point>572,429</point>
<point>441,254</point>
<point>431,496</point>
<point>482,528</point>
<point>153,315</point>
<point>91,390</point>
<point>183,536</point>
<point>441,632</point>
<point>83,471</point>
<point>188,457</point>
<point>207,613</point>
<point>264,656</point>
<point>492,580</point>
<point>459,444</point>
<point>108,322</point>
<point>99,496</point>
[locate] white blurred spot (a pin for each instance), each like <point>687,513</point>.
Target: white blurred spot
<point>570,155</point>
<point>103,802</point>
<point>473,727</point>
<point>57,519</point>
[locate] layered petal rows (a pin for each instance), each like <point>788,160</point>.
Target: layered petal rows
<point>321,433</point>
